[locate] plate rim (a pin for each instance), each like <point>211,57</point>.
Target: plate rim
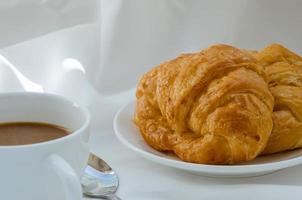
<point>205,168</point>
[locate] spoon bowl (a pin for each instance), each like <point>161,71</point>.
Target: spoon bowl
<point>99,180</point>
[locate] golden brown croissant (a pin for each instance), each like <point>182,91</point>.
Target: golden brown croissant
<point>210,107</point>
<point>284,71</point>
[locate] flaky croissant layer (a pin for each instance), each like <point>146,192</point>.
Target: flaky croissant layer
<point>211,107</point>
<point>284,72</point>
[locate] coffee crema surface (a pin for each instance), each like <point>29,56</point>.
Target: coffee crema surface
<point>21,133</point>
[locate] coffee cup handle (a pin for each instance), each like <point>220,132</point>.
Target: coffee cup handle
<point>68,177</point>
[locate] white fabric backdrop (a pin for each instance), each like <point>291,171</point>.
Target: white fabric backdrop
<point>94,52</point>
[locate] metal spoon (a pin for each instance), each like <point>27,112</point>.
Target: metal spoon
<point>99,180</point>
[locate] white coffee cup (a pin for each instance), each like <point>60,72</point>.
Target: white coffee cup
<point>48,170</point>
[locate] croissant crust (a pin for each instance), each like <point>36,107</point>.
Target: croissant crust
<point>211,107</point>
<point>284,72</point>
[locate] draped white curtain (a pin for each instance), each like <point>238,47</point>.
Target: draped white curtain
<point>117,40</point>
<point>94,51</point>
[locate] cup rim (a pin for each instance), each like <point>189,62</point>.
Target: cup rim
<point>82,109</point>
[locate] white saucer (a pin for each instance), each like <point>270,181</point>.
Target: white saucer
<point>129,135</point>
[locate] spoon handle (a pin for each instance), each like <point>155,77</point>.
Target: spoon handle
<point>98,164</point>
<point>112,197</point>
<point>107,197</point>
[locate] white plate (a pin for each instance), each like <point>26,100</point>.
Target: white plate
<point>129,135</point>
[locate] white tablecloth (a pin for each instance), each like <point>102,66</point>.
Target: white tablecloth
<point>94,53</point>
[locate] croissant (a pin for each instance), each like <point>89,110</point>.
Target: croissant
<point>284,72</point>
<point>211,107</point>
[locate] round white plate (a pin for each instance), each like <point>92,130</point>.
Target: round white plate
<point>129,135</point>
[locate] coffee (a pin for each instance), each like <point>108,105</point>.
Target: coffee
<point>19,133</point>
